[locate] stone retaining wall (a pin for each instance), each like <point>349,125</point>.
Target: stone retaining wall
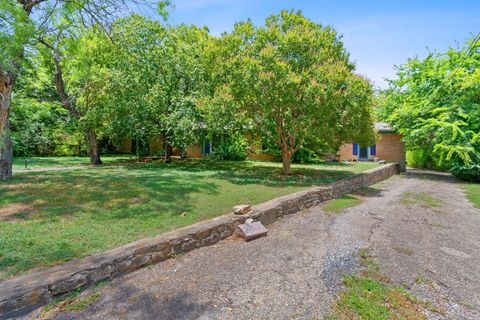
<point>23,294</point>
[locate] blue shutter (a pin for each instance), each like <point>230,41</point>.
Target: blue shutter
<point>355,149</point>
<point>207,147</point>
<point>373,150</point>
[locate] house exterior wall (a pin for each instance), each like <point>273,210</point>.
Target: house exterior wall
<point>346,153</point>
<point>262,157</point>
<point>389,147</point>
<point>255,152</point>
<point>194,151</point>
<point>156,146</point>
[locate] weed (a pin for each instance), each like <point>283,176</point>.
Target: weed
<point>82,303</point>
<point>472,191</point>
<point>371,295</point>
<point>421,198</point>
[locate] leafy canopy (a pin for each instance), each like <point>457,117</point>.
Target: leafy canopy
<point>435,103</point>
<point>292,79</point>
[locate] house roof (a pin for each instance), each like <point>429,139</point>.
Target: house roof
<point>383,127</point>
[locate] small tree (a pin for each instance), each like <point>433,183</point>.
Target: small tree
<point>294,81</point>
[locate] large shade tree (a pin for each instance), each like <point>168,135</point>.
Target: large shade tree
<point>435,103</point>
<point>152,75</point>
<point>25,24</point>
<point>293,79</point>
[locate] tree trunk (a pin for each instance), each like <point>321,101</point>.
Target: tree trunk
<point>69,103</point>
<point>168,151</point>
<point>93,149</point>
<point>287,161</point>
<point>6,147</point>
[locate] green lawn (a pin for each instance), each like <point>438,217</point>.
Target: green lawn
<point>338,205</point>
<point>473,193</point>
<point>56,162</point>
<point>50,217</point>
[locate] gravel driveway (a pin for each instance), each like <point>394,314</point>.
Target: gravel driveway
<point>420,228</point>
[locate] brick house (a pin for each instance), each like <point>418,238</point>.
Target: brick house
<point>389,147</point>
<point>156,146</point>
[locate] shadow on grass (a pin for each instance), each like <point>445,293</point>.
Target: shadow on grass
<point>264,173</point>
<point>66,192</point>
<point>56,162</point>
<point>83,211</point>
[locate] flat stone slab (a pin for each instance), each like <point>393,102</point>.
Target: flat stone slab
<point>252,230</point>
<point>242,209</point>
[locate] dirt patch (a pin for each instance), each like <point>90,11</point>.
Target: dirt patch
<point>15,211</point>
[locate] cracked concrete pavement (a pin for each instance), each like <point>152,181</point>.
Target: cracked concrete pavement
<point>296,271</point>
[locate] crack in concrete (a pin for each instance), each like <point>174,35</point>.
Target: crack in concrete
<point>378,222</point>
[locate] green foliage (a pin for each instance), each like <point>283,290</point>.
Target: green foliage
<point>37,129</point>
<point>231,147</point>
<point>289,81</point>
<point>467,172</point>
<point>146,83</point>
<point>51,29</point>
<point>15,31</point>
<point>305,155</point>
<point>292,80</point>
<point>419,159</point>
<point>39,124</point>
<point>434,103</point>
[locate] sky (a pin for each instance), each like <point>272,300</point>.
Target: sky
<point>378,34</point>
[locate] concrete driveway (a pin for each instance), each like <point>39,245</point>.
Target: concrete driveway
<point>419,226</point>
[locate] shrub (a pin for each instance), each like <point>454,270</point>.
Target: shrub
<point>305,155</point>
<point>232,147</point>
<point>467,172</point>
<point>426,159</point>
<point>418,159</point>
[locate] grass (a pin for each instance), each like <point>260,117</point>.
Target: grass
<point>60,301</point>
<point>473,193</point>
<point>47,218</point>
<point>371,295</point>
<point>57,162</point>
<point>421,198</point>
<point>338,205</point>
<point>82,303</point>
<point>74,301</point>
